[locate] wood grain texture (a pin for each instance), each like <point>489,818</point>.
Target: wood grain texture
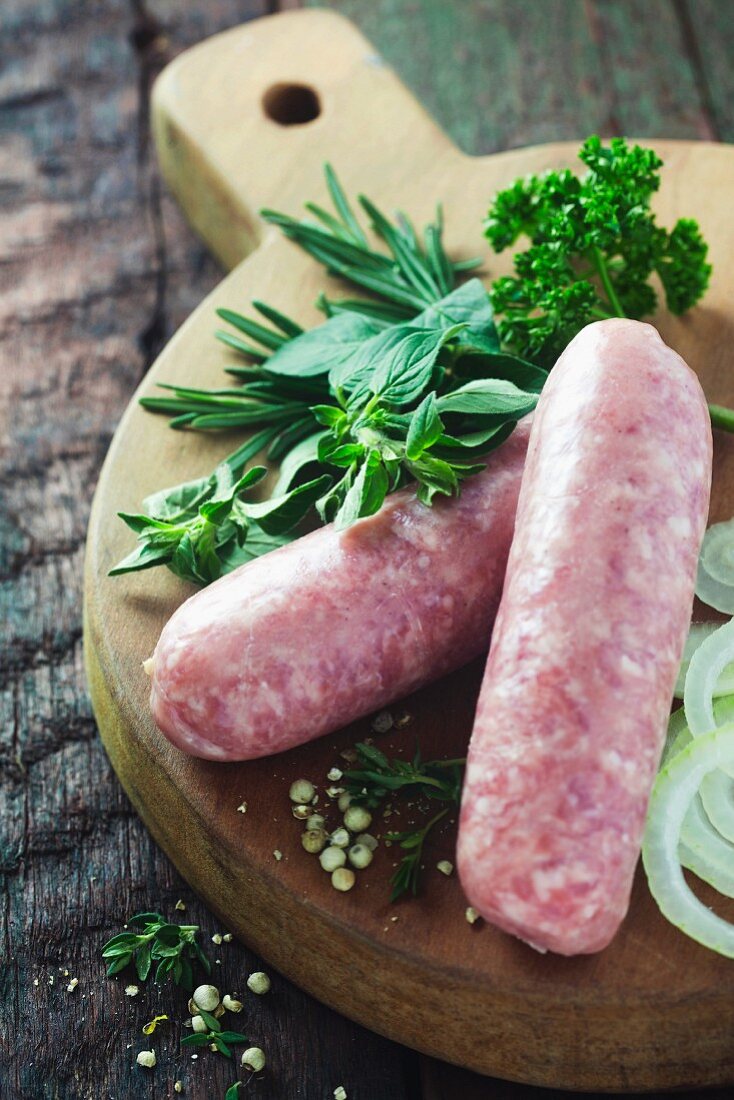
<point>95,273</point>
<point>97,269</point>
<point>709,30</point>
<point>537,72</point>
<point>611,1021</point>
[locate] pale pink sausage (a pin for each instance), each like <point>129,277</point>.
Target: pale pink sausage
<point>336,625</point>
<point>588,640</point>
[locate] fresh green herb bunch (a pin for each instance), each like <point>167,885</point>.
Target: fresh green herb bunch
<point>378,778</point>
<point>594,246</point>
<point>415,383</point>
<point>172,947</point>
<point>410,385</point>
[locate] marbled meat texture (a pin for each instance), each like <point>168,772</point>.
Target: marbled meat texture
<point>597,600</point>
<point>335,625</point>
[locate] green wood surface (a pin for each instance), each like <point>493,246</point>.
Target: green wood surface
<point>97,270</point>
<point>501,73</point>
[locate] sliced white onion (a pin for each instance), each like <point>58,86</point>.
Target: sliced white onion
<point>678,736</point>
<point>712,866</point>
<point>697,634</point>
<point>717,553</point>
<point>672,795</point>
<point>705,667</point>
<point>704,851</point>
<point>713,593</point>
<point>701,849</point>
<point>704,672</point>
<point>717,796</point>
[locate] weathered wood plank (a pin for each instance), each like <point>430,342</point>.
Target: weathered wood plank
<point>710,34</point>
<point>97,270</point>
<point>498,74</point>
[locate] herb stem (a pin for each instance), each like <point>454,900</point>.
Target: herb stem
<point>606,281</point>
<point>434,821</point>
<point>722,418</point>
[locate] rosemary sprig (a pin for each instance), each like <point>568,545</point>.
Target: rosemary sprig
<point>172,947</point>
<point>379,777</point>
<point>412,275</point>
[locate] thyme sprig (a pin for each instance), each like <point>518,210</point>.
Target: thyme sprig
<point>378,778</point>
<point>172,947</point>
<point>215,1035</point>
<point>406,877</point>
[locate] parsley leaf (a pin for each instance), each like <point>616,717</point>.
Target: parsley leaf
<point>594,244</point>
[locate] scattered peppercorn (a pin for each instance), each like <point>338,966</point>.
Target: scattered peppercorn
<point>357,819</point>
<point>206,997</point>
<point>343,879</point>
<point>332,858</point>
<point>258,982</point>
<point>253,1059</point>
<point>301,790</point>
<point>360,856</point>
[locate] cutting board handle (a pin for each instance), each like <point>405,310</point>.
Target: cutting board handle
<point>247,119</point>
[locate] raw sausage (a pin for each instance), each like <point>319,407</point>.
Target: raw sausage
<point>588,640</point>
<point>335,625</point>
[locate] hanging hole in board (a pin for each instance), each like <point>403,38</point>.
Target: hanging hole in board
<point>291,104</point>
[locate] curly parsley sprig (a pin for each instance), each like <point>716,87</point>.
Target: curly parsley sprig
<point>594,246</point>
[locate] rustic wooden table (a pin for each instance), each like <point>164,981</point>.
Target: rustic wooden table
<point>98,270</point>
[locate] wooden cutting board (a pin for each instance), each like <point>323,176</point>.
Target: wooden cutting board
<point>244,120</point>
